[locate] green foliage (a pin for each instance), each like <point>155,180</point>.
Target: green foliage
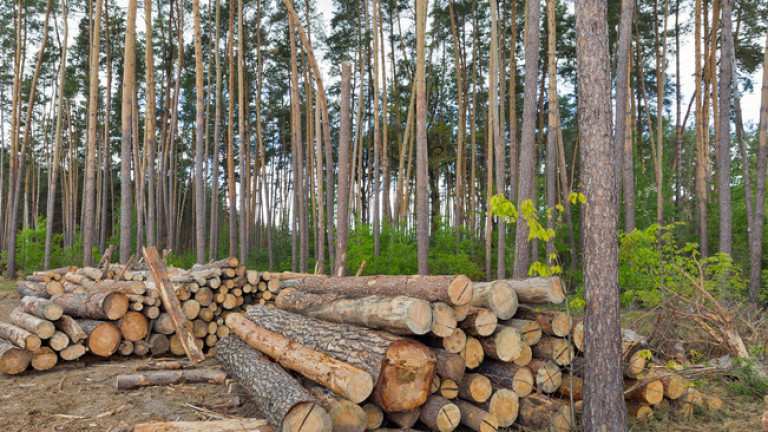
<point>747,380</point>
<point>30,250</point>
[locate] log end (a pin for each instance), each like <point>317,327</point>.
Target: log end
<point>503,300</point>
<point>359,387</point>
<point>14,360</point>
<point>523,383</point>
<point>556,294</point>
<point>104,340</point>
<point>448,418</point>
<point>134,326</point>
<point>374,416</point>
<point>348,417</point>
<point>405,378</point>
<point>306,417</point>
<point>420,317</point>
<point>115,305</point>
<point>504,404</point>
<point>507,342</point>
<point>460,290</point>
<point>44,359</point>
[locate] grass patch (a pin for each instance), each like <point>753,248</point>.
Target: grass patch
<point>7,286</point>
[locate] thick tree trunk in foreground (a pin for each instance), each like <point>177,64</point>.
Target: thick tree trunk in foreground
<point>283,401</point>
<point>399,385</point>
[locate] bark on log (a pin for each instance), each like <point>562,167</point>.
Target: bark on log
<point>98,305</point>
<point>58,341</point>
<point>440,414</point>
<point>41,308</point>
<point>19,336</point>
<point>44,358</point>
<point>406,419</point>
<point>91,272</point>
<point>551,348</point>
<point>345,415</point>
<point>639,410</point>
<point>343,379</point>
<point>103,337</point>
<point>634,354</point>
<point>476,418</point>
<point>401,368</point>
<point>125,348</point>
<point>71,328</point>
<point>32,324</point>
<point>170,377</point>
<point>548,376</point>
<point>479,322</point>
<point>530,331</point>
<point>475,388</point>
<point>449,365</point>
<point>505,405</point>
<point>508,375</point>
<point>472,353</point>
<point>374,416</point>
<point>72,352</point>
<point>686,405</point>
<point>444,320</point>
<point>503,345</point>
<point>125,287</point>
<point>538,290</point>
<point>229,425</point>
<point>497,296</point>
<point>31,289</point>
<point>13,360</point>
<point>230,262</point>
<point>649,392</point>
<point>541,413</point>
<point>159,344</point>
<point>454,290</point>
<point>133,326</point>
<point>399,315</point>
<point>552,322</point>
<point>284,402</point>
<point>571,385</point>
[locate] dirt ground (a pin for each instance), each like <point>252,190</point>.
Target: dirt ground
<point>81,396</point>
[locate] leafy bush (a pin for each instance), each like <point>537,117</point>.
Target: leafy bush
<point>747,380</point>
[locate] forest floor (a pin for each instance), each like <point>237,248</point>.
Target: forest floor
<point>81,396</point>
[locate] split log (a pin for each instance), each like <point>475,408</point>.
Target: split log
<point>440,414</point>
<point>472,353</point>
<point>284,402</point>
<point>229,425</point>
<point>551,348</point>
<point>71,328</point>
<point>103,337</point>
<point>503,345</point>
<point>133,326</point>
<point>72,352</point>
<point>19,336</point>
<point>343,379</point>
<point>552,322</point>
<point>159,344</point>
<point>479,322</point>
<point>476,418</point>
<point>505,405</point>
<point>44,358</point>
<point>454,290</point>
<point>58,341</point>
<point>571,385</point>
<point>526,355</point>
<point>638,410</point>
<point>497,296</point>
<point>538,290</point>
<point>170,377</point>
<point>548,377</point>
<point>577,335</point>
<point>541,413</point>
<point>13,360</point>
<point>646,391</point>
<point>530,331</point>
<point>374,416</point>
<point>125,348</point>
<point>449,365</point>
<point>399,315</point>
<point>508,375</point>
<point>172,305</point>
<point>405,419</point>
<point>401,368</point>
<point>449,388</point>
<point>475,388</point>
<point>98,305</point>
<point>41,308</point>
<point>345,415</point>
<point>43,328</point>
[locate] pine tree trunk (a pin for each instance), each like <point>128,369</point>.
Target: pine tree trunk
<point>230,137</point>
<point>344,173</point>
<point>422,200</point>
<point>129,77</point>
<point>199,139</point>
<point>724,139</point>
<point>150,133</point>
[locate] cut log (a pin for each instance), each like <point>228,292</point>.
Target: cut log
<point>70,327</point>
<point>646,391</point>
<point>229,425</point>
<point>170,377</point>
<point>44,358</point>
<point>460,312</point>
<point>98,305</point>
<point>475,388</point>
<point>503,345</point>
<point>497,296</point>
<point>31,289</point>
<point>472,353</point>
<point>54,287</point>
<point>284,402</point>
<point>13,360</point>
<point>476,418</point>
<point>571,385</point>
<point>577,335</point>
<point>401,368</point>
<point>530,331</point>
<point>552,322</point>
<point>374,416</point>
<point>230,262</point>
<point>253,277</point>
<point>449,388</point>
<point>345,415</point>
<point>454,343</point>
<point>674,386</point>
<point>133,326</point>
<point>72,352</point>
<point>547,375</point>
<point>32,324</point>
<point>434,387</point>
<point>41,308</point>
<point>399,315</point>
<point>406,419</point>
<point>440,414</point>
<point>19,336</point>
<point>687,404</point>
<point>343,379</point>
<point>125,287</point>
<point>551,348</point>
<point>479,322</point>
<point>151,312</point>
<point>449,365</point>
<point>125,348</point>
<point>526,355</point>
<point>199,328</point>
<point>204,296</point>
<point>504,404</point>
<point>58,341</point>
<point>163,324</point>
<point>541,413</point>
<point>141,347</point>
<point>634,353</point>
<point>538,290</point>
<point>454,290</point>
<point>508,375</point>
<point>172,305</point>
<point>159,344</point>
<point>638,410</point>
<point>176,347</point>
<point>91,272</point>
<point>103,337</point>
<point>190,309</point>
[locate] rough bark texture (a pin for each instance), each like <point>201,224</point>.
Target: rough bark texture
<point>422,200</point>
<point>13,360</point>
<point>603,405</point>
<point>71,328</point>
<point>344,159</point>
<point>32,324</point>
<point>19,336</point>
<point>41,308</point>
<point>399,315</point>
<point>440,414</point>
<point>345,415</point>
<point>129,79</point>
<point>400,386</point>
<point>508,375</point>
<point>199,139</point>
<point>449,365</point>
<point>230,425</point>
<point>724,138</point>
<point>100,305</point>
<point>172,377</point>
<point>283,401</point>
<point>477,419</point>
<point>541,413</point>
<point>538,290</point>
